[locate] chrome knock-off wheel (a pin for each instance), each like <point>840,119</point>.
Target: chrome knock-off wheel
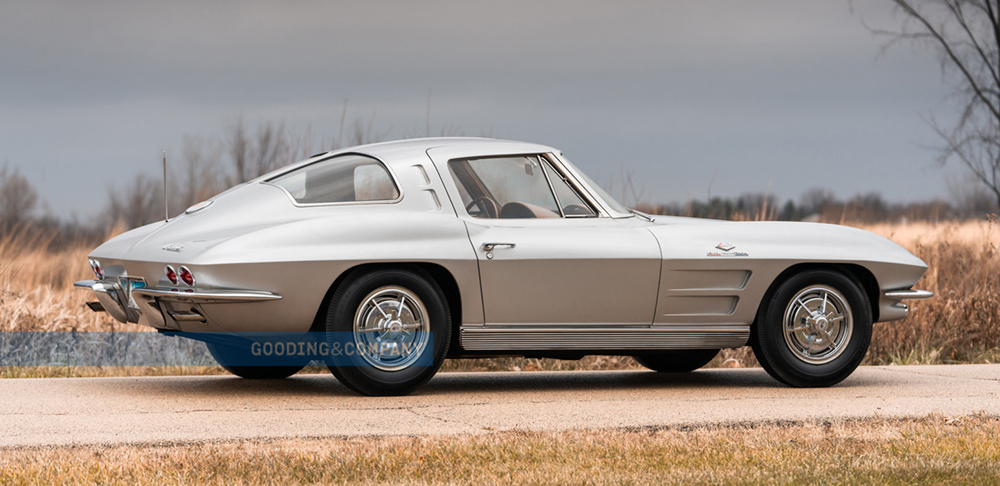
<point>398,327</point>
<point>818,324</point>
<point>391,328</point>
<point>814,328</point>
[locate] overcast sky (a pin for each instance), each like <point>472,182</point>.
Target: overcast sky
<point>764,95</point>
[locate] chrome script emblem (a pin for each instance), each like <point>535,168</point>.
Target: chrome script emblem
<point>176,247</point>
<point>725,246</point>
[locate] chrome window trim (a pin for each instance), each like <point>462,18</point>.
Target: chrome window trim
<point>571,182</point>
<point>552,189</point>
<point>575,180</point>
<point>556,164</point>
<point>388,169</point>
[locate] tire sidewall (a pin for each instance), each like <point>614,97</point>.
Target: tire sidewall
<point>782,362</point>
<point>353,370</point>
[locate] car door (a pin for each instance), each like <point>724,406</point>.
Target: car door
<point>547,255</point>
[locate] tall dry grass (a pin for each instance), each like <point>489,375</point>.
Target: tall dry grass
<point>36,286</point>
<point>930,450</point>
<point>960,324</point>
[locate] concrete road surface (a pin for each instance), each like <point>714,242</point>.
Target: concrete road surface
<point>68,411</point>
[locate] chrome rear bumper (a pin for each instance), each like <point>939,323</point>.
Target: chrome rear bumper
<point>160,307</point>
<point>111,296</point>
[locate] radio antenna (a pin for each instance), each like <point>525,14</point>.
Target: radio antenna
<point>166,208</point>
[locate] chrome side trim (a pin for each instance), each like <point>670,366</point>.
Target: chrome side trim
<point>909,294</point>
<point>675,337</point>
<point>205,296</point>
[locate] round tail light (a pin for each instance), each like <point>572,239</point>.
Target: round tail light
<point>95,266</point>
<point>186,276</point>
<point>171,274</point>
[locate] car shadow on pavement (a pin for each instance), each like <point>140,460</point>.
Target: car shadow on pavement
<point>461,383</point>
<point>595,381</point>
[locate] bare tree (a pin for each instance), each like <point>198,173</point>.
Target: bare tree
<point>255,156</point>
<point>17,197</point>
<point>817,201</point>
<point>364,133</point>
<point>199,178</point>
<point>966,35</point>
<point>269,146</point>
<point>137,203</point>
<point>759,206</point>
<point>238,145</point>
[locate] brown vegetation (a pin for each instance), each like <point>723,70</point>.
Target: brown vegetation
<point>962,322</point>
<point>932,450</point>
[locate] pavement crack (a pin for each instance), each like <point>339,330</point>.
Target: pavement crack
<point>444,420</point>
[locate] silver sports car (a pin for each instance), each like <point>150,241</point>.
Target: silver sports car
<point>410,252</point>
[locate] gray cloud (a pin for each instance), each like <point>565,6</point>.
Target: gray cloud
<point>780,94</point>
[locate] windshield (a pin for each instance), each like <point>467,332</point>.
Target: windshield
<point>612,203</point>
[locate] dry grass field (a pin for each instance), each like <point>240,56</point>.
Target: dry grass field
<point>931,450</point>
<point>961,324</point>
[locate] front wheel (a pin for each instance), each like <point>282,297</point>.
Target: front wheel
<point>814,330</point>
<point>391,329</point>
<point>679,361</point>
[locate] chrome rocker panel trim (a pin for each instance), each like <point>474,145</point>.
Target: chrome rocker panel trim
<point>679,337</point>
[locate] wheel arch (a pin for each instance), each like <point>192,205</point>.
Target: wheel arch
<point>441,275</point>
<point>869,284</point>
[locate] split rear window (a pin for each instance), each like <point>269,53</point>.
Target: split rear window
<point>342,179</point>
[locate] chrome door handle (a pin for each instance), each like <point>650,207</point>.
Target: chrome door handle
<point>491,246</point>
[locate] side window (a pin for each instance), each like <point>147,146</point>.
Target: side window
<point>513,187</point>
<point>347,178</point>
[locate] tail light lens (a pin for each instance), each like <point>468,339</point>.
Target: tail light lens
<point>95,266</point>
<point>186,276</point>
<point>171,274</point>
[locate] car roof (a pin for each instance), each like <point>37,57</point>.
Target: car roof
<point>403,149</point>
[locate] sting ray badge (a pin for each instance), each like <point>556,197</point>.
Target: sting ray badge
<point>726,250</point>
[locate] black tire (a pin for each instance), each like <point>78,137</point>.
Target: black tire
<point>679,361</point>
<point>779,356</point>
<point>235,354</point>
<point>366,378</point>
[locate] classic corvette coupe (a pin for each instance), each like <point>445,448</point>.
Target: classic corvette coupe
<point>415,251</point>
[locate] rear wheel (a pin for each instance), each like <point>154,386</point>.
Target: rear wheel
<point>388,330</point>
<point>679,361</point>
<point>226,354</point>
<point>814,329</point>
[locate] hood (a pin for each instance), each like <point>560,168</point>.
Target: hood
<point>690,238</point>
